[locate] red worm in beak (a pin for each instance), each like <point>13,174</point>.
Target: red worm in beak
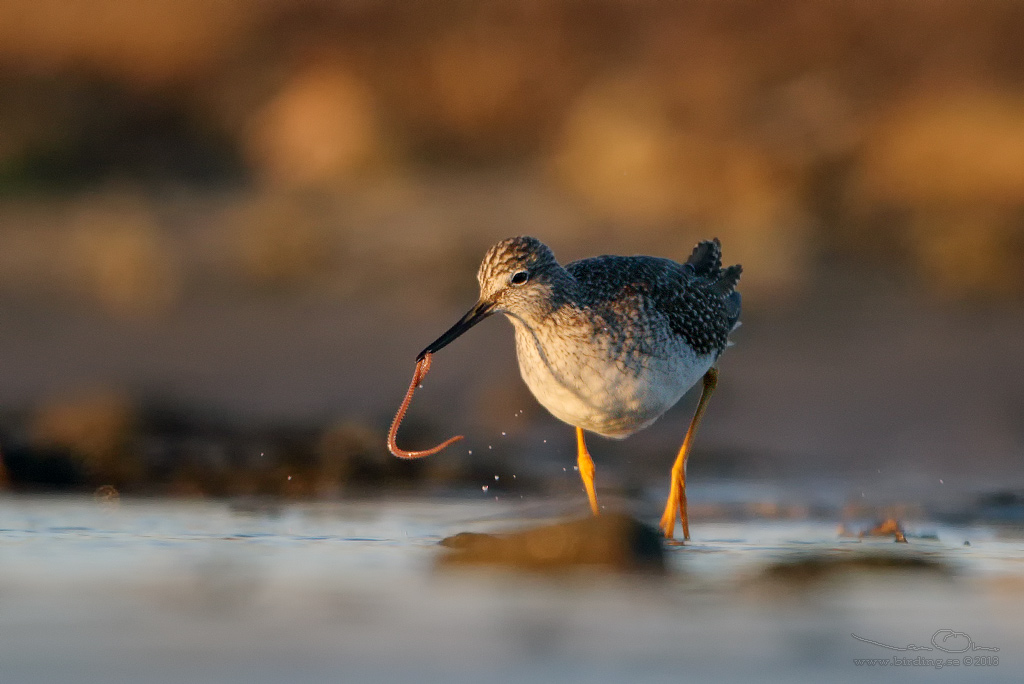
<point>422,366</point>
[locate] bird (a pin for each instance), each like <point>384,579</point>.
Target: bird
<point>606,344</point>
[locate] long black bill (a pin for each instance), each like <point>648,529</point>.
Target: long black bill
<point>478,313</point>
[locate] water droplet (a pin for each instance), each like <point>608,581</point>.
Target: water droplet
<point>497,477</point>
<point>470,452</point>
<point>485,488</point>
<point>576,468</point>
<point>488,446</point>
<point>502,434</point>
<point>941,482</point>
<point>289,478</point>
<point>564,470</point>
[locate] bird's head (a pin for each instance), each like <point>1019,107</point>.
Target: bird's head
<point>516,275</point>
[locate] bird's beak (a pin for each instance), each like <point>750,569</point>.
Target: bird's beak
<point>478,313</point>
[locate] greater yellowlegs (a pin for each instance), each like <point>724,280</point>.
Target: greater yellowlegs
<point>606,344</point>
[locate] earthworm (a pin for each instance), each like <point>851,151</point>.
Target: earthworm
<point>422,366</point>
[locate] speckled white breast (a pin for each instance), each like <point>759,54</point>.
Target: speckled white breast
<point>582,384</point>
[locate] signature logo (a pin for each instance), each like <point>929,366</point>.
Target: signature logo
<point>946,640</point>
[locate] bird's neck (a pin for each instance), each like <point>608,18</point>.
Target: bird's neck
<point>562,282</point>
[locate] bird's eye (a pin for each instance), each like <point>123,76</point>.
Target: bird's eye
<point>520,278</point>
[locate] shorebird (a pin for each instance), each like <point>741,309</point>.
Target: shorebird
<point>606,344</point>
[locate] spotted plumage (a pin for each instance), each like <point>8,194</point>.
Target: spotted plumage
<point>660,292</point>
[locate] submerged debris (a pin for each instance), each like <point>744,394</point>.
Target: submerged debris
<point>889,527</point>
<point>106,494</point>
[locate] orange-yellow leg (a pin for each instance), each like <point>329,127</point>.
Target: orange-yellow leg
<point>677,492</point>
<point>586,466</point>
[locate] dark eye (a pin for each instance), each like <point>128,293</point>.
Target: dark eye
<point>520,278</point>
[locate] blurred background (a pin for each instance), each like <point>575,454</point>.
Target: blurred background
<point>228,226</point>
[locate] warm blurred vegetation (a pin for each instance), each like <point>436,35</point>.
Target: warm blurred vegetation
<point>153,151</point>
<point>800,132</point>
<point>104,442</point>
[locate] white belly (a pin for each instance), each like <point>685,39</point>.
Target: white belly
<point>583,385</point>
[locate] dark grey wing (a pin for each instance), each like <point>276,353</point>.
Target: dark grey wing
<point>697,300</point>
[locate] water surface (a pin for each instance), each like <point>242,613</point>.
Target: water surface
<point>172,591</point>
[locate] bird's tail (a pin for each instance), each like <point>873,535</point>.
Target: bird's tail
<point>706,259</point>
<point>706,262</point>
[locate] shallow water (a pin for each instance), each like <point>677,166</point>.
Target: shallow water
<point>158,591</point>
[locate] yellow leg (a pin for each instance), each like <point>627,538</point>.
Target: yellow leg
<point>586,466</point>
<point>677,491</point>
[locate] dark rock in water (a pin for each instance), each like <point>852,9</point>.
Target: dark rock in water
<point>803,568</point>
<point>47,469</point>
<point>613,542</point>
